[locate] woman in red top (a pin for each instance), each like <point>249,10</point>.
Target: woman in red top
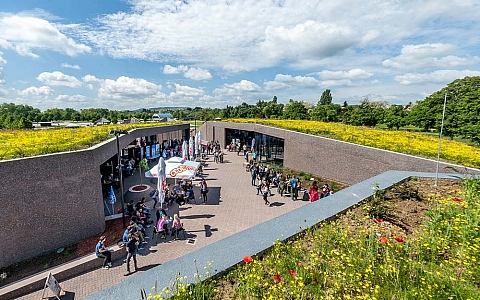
<point>314,192</point>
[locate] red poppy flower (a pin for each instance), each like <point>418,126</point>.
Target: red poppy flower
<point>277,278</point>
<point>292,272</point>
<point>400,240</point>
<point>383,240</point>
<point>248,259</point>
<point>377,220</point>
<point>300,264</point>
<point>458,199</point>
<point>315,280</point>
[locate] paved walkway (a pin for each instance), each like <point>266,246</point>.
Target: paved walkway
<point>233,206</point>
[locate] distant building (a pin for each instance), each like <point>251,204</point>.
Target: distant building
<point>163,118</point>
<point>132,120</point>
<point>102,121</point>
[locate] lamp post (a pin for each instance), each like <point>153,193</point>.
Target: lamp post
<point>440,141</point>
<point>117,133</point>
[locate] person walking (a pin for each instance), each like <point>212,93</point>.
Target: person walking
<point>281,186</point>
<point>204,190</point>
<point>294,186</point>
<point>254,174</point>
<point>266,193</point>
<point>132,248</point>
<point>220,157</point>
<point>154,194</point>
<point>103,252</point>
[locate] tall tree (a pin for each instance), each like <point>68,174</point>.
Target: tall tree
<point>366,114</point>
<point>395,116</point>
<point>295,110</point>
<point>326,98</point>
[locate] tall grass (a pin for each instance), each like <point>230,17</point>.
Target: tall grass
<point>355,258</point>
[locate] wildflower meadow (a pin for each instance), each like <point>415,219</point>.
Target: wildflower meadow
<point>399,141</point>
<point>24,143</point>
<point>362,256</point>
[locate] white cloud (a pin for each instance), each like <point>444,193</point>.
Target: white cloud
<point>306,40</point>
<point>245,86</point>
<point>168,69</point>
<point>212,40</point>
<point>351,74</point>
<point>439,76</point>
<point>24,33</point>
<point>185,94</point>
<point>303,81</point>
<point>59,79</point>
<point>128,88</point>
<point>427,56</point>
<point>238,88</point>
<point>2,63</point>
<point>197,74</point>
<point>43,91</point>
<point>76,67</point>
<point>332,83</point>
<point>188,72</point>
<point>71,99</point>
<point>90,78</point>
<point>229,35</point>
<point>275,85</point>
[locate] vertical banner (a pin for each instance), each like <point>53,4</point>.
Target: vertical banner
<point>147,152</point>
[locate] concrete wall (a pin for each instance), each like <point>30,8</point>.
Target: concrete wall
<point>51,201</point>
<point>336,160</point>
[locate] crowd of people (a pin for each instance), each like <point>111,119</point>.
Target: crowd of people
<point>135,235</point>
<point>263,179</point>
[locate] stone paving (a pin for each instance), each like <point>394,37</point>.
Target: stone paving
<point>233,206</point>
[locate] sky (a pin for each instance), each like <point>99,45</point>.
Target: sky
<point>130,54</point>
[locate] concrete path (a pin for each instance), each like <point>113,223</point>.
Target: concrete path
<point>233,206</point>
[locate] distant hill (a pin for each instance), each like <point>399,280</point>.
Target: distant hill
<point>157,109</point>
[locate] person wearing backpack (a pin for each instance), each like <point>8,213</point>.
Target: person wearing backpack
<point>294,186</point>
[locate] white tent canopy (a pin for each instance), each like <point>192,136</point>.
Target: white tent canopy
<point>176,167</point>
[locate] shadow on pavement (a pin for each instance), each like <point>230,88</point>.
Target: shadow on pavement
<point>209,230</point>
<point>198,217</point>
<point>145,268</point>
<point>67,296</point>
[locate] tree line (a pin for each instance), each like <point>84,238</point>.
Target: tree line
<point>462,114</point>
